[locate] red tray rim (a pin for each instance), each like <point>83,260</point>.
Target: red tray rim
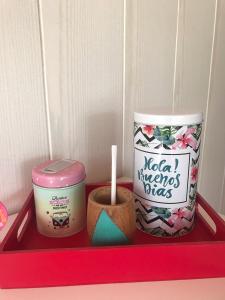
<point>218,221</point>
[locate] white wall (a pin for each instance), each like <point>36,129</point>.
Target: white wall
<point>73,72</point>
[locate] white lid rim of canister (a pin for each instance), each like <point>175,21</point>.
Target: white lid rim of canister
<point>169,119</point>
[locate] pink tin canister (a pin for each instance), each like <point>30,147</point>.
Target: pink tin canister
<point>59,192</point>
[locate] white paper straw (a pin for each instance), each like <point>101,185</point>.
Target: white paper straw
<point>113,175</point>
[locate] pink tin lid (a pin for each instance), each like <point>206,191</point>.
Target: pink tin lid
<point>58,173</point>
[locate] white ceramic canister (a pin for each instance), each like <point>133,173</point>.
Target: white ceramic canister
<point>166,159</point>
<point>59,193</point>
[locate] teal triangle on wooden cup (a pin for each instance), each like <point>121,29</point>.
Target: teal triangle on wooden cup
<point>109,224</point>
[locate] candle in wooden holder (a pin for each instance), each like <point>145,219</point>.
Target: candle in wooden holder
<point>110,224</point>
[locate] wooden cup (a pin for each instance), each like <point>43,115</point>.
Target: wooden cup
<point>110,224</point>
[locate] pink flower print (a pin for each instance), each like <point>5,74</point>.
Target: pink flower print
<point>148,129</point>
<point>194,174</point>
<point>178,224</point>
<point>186,139</point>
<point>177,217</point>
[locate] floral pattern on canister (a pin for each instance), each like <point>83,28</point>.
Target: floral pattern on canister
<point>160,219</point>
<point>168,137</point>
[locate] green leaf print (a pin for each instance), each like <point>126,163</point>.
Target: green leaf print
<point>142,143</point>
<point>197,134</point>
<point>162,212</point>
<point>165,134</point>
<point>158,231</point>
<point>136,127</point>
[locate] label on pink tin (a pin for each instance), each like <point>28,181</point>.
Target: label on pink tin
<point>58,166</point>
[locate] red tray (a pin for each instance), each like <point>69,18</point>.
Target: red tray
<point>28,259</point>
